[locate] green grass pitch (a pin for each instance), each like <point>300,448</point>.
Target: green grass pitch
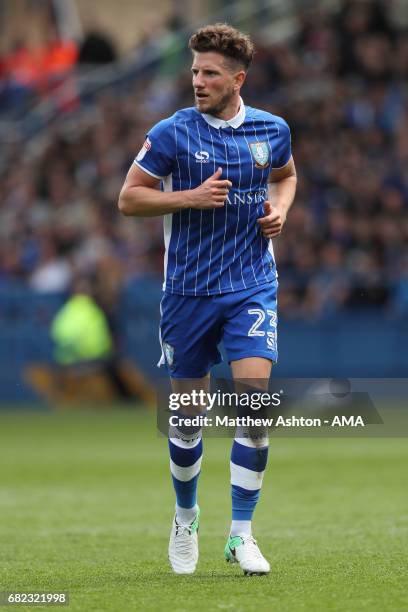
<point>86,505</point>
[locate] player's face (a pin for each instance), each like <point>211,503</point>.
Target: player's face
<point>216,85</point>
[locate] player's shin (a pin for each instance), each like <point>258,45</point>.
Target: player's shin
<point>186,448</point>
<point>249,456</point>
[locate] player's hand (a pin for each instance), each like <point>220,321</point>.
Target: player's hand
<point>273,221</point>
<point>210,194</point>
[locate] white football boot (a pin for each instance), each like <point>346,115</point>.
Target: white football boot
<point>244,550</point>
<point>183,546</point>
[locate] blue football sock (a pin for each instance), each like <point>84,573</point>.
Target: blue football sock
<point>248,462</point>
<point>185,465</point>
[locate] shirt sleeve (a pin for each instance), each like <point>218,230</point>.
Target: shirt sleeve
<point>156,157</point>
<point>283,150</point>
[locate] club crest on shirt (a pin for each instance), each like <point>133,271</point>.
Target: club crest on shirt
<point>260,153</point>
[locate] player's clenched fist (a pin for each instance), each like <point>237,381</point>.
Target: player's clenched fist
<point>272,223</point>
<point>212,193</point>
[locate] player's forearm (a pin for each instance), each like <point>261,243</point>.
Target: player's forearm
<point>282,194</point>
<point>147,202</point>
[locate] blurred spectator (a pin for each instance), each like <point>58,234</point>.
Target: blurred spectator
<point>19,76</point>
<point>85,346</point>
<point>28,71</point>
<point>96,48</point>
<point>52,272</point>
<point>364,32</point>
<point>80,330</point>
<point>58,58</point>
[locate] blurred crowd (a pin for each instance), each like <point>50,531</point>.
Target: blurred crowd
<point>340,82</point>
<point>29,74</point>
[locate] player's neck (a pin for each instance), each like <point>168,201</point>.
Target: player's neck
<point>231,110</point>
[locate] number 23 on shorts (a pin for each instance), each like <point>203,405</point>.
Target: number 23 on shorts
<point>255,330</point>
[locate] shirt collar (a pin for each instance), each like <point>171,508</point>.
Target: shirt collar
<point>235,122</point>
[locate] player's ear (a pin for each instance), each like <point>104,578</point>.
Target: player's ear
<point>239,79</point>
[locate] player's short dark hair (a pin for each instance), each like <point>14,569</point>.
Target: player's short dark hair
<point>225,40</point>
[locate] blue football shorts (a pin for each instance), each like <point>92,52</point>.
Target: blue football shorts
<point>192,327</point>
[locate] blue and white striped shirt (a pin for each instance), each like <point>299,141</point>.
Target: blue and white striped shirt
<point>222,249</point>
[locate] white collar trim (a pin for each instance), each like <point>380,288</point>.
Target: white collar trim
<point>235,122</point>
